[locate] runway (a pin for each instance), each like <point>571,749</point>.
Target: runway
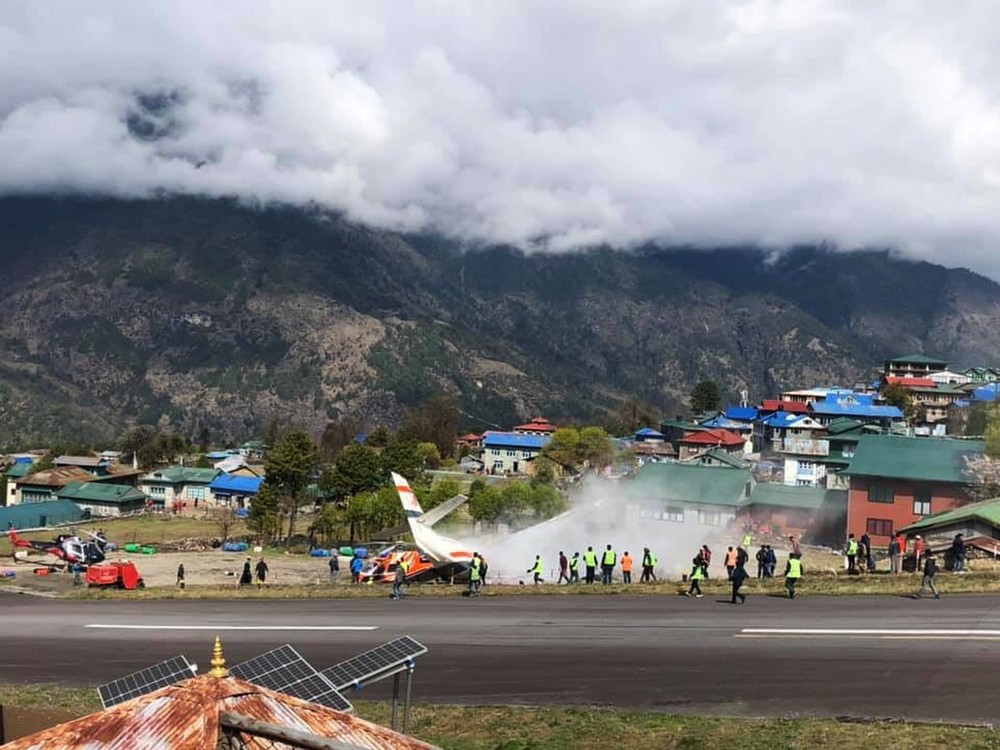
<point>867,656</point>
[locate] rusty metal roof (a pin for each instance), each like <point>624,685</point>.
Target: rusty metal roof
<point>185,716</point>
<point>57,477</point>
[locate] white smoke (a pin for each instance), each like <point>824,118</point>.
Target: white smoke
<point>553,125</point>
<point>601,513</point>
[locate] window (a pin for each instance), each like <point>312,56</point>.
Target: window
<point>879,527</point>
<point>848,451</point>
<point>675,515</point>
<point>495,451</point>
<point>710,517</point>
<point>511,454</point>
<point>196,493</point>
<point>157,490</point>
<point>921,507</point>
<point>880,493</point>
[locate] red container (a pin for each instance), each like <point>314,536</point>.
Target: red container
<point>123,575</point>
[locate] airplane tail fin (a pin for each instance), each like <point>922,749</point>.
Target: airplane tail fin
<point>411,507</point>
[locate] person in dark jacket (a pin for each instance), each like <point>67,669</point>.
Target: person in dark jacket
<point>930,570</point>
<point>261,571</point>
<point>772,561</point>
<point>958,554</point>
<point>246,577</point>
<point>867,554</point>
<point>761,558</point>
<point>739,578</point>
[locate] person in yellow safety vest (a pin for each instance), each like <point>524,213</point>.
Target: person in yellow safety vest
<point>590,563</point>
<point>608,560</point>
<point>536,570</point>
<point>475,574</point>
<point>648,562</point>
<point>697,575</point>
<point>574,568</point>
<point>852,555</point>
<point>747,540</point>
<point>626,567</point>
<point>793,572</point>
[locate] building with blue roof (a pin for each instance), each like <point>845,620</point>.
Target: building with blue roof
<point>647,434</point>
<point>234,490</point>
<point>741,413</point>
<point>509,452</point>
<point>856,406</point>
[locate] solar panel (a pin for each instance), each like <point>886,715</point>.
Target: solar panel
<point>377,664</point>
<point>285,671</point>
<point>145,681</point>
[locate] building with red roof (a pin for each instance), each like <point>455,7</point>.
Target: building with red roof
<point>537,426</point>
<point>777,404</point>
<point>698,443</point>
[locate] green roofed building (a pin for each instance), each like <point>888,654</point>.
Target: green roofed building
<point>691,493</point>
<point>39,515</point>
<point>178,486</point>
<point>895,481</point>
<point>975,519</point>
<point>103,499</point>
<point>815,514</point>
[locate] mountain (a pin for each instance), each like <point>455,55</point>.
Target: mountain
<point>199,313</point>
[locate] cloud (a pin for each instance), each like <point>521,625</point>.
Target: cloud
<point>553,125</point>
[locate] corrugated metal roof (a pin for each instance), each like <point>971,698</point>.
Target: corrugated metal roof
<point>90,461</point>
<point>691,483</point>
<point>514,440</point>
<point>101,492</point>
<point>787,496</point>
<point>713,437</point>
<point>185,716</point>
<point>58,477</point>
<point>917,359</point>
<point>988,511</point>
<point>179,474</point>
<point>31,515</point>
<point>233,483</point>
<point>917,458</point>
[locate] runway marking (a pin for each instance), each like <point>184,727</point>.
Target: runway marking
<point>878,633</point>
<point>122,626</point>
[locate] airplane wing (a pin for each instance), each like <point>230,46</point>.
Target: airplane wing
<point>434,515</point>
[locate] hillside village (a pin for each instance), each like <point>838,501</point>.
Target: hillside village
<point>875,459</point>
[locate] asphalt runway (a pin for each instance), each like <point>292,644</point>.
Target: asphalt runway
<point>867,656</point>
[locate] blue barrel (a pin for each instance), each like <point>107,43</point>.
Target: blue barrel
<point>320,553</point>
<point>361,552</point>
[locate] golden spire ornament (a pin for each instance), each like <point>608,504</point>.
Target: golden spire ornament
<point>218,661</point>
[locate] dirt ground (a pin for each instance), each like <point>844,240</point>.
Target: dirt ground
<point>200,568</point>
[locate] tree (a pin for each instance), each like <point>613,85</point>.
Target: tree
<point>429,456</point>
<point>403,457</point>
<point>899,396</point>
<point>289,468</point>
<point>265,510</point>
<point>992,432</point>
<point>573,448</point>
<point>434,421</point>
<point>204,439</point>
<point>357,468</point>
<point>706,397</point>
<point>379,437</point>
<point>544,472</point>
<point>484,502</point>
<point>224,519</point>
<point>439,493</point>
<point>337,435</point>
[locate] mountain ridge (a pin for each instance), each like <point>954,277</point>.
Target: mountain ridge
<point>202,313</point>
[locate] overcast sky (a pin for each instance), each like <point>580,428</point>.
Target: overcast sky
<point>556,124</point>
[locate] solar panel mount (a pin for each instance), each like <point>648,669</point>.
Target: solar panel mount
<point>375,664</point>
<point>285,671</point>
<point>145,681</point>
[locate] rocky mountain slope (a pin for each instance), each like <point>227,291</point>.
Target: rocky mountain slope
<point>198,313</point>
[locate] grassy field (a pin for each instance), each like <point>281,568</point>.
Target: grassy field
<point>516,728</point>
<point>823,584</point>
<point>150,530</point>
